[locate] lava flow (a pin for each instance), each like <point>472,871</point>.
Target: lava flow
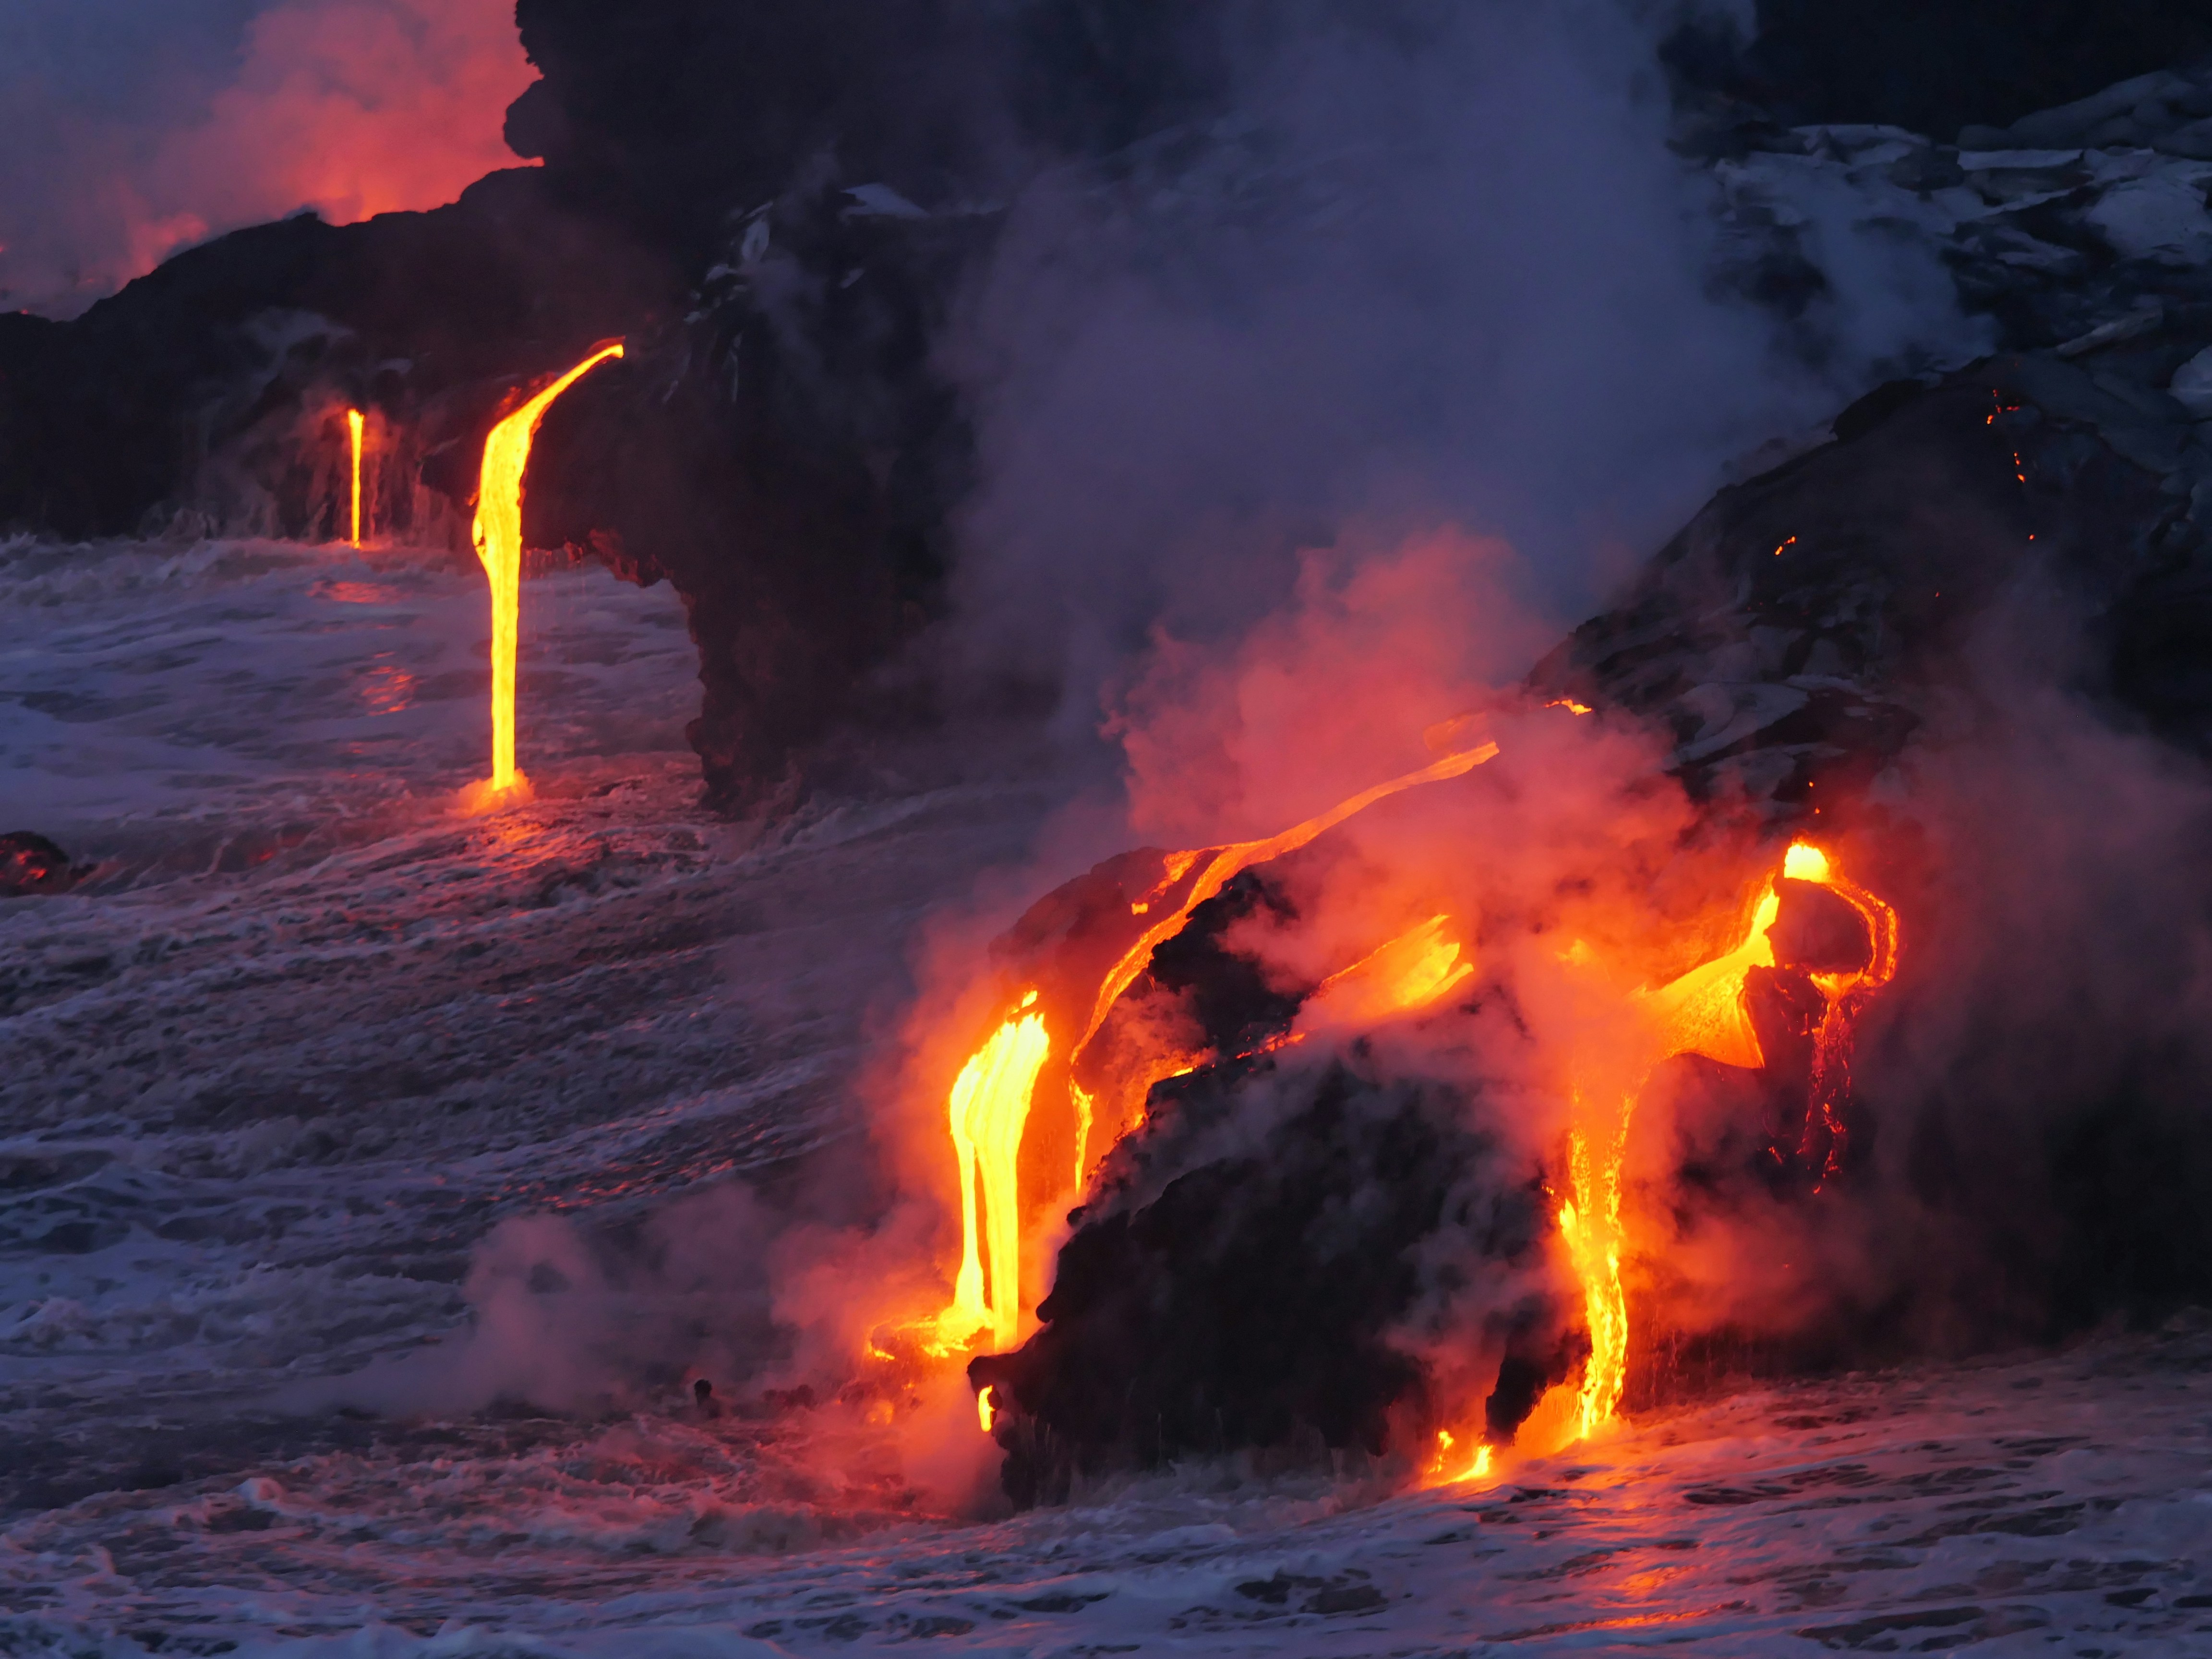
<point>1087,945</point>
<point>354,424</point>
<point>990,1106</point>
<point>1702,1012</point>
<point>498,534</point>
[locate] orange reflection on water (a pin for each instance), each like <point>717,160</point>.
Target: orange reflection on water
<point>386,688</point>
<point>358,593</point>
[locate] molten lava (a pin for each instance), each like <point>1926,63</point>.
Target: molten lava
<point>1408,973</point>
<point>1449,1466</point>
<point>989,1105</point>
<point>498,533</point>
<point>1702,1012</point>
<point>1843,995</point>
<point>353,433</point>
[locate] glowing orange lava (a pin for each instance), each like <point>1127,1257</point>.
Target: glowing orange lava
<point>989,1105</point>
<point>353,433</point>
<point>1408,973</point>
<point>1216,867</point>
<point>1844,994</point>
<point>1449,1466</point>
<point>498,533</point>
<point>1702,1013</point>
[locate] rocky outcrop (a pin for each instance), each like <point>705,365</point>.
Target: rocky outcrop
<point>30,864</point>
<point>1797,631</point>
<point>2165,111</point>
<point>1929,65</point>
<point>2050,242</point>
<point>1248,1299</point>
<point>206,395</point>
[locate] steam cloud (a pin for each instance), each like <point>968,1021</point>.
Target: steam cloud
<point>129,130</point>
<point>1286,456</point>
<point>1440,267</point>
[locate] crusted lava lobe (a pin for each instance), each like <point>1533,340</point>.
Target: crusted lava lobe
<point>1794,633</point>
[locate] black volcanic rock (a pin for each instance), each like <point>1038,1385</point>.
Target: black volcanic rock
<point>30,863</point>
<point>788,458</point>
<point>1793,632</point>
<point>194,390</point>
<point>1248,1276</point>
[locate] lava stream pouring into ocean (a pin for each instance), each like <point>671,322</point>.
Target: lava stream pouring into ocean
<point>990,1103</point>
<point>498,535</point>
<point>1036,1050</point>
<point>1704,1012</point>
<point>355,423</point>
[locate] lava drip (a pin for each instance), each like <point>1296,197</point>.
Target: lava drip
<point>354,424</point>
<point>498,535</point>
<point>1843,995</point>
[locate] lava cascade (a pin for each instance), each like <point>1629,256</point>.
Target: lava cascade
<point>989,1105</point>
<point>1702,1013</point>
<point>354,423</point>
<point>498,535</point>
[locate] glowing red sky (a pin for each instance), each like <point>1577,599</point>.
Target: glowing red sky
<point>352,107</point>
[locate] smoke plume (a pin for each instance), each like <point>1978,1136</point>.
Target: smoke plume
<point>1298,435</point>
<point>129,130</point>
<point>1438,265</point>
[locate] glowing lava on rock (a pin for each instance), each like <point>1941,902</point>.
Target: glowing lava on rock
<point>1844,994</point>
<point>1402,975</point>
<point>354,424</point>
<point>498,535</point>
<point>1450,1465</point>
<point>989,1105</point>
<point>1089,944</point>
<point>1702,1012</point>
